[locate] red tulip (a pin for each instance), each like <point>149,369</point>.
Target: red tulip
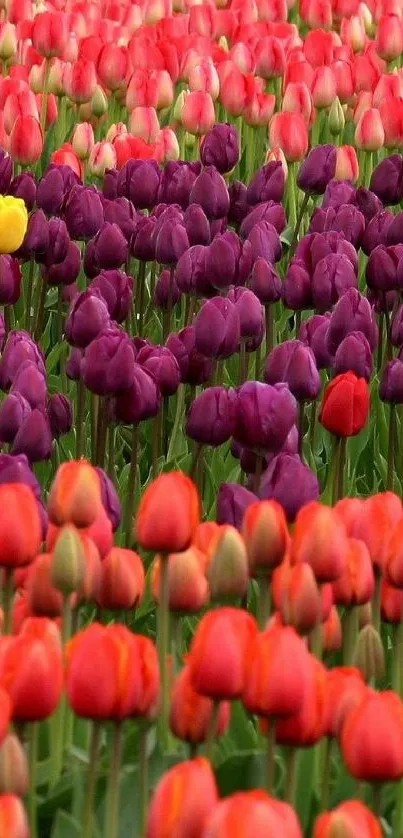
<point>13,818</point>
<point>345,405</point>
<point>122,580</point>
<point>275,677</point>
<point>350,820</point>
<point>112,66</point>
<point>198,114</point>
<point>191,713</point>
<point>50,33</point>
<point>183,801</point>
<point>372,738</point>
<point>80,80</point>
<point>219,651</point>
<point>66,156</point>
<point>252,814</point>
<point>290,133</point>
<point>345,688</point>
<point>26,141</point>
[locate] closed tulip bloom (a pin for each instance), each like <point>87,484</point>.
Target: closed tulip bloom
<point>250,311</point>
<point>21,526</point>
<point>265,211</point>
<point>265,282</point>
<point>26,141</point>
<point>6,172</point>
<point>262,415</point>
<point>217,328</point>
<point>156,531</point>
<point>31,670</point>
<point>369,132</point>
<point>107,251</point>
<point>266,537</point>
<point>289,131</point>
<point>19,348</point>
<point>13,817</point>
<point>218,653</point>
<point>59,242</point>
<point>83,212</point>
<point>166,291</point>
<point>376,232</point>
<point>141,401</point>
<point>345,405</point>
<point>194,367</point>
<point>267,184</point>
<point>387,180</point>
<point>24,186</point>
<point>75,495</point>
<point>332,277</point>
<point>391,603</point>
<point>275,673</point>
<point>208,420</point>
<point>313,332</point>
<point>393,564</point>
<point>353,312</point>
<point>188,590</point>
<point>232,502</point>
<point>198,114</point>
<point>294,363</point>
<point>107,366</point>
<point>345,689</point>
<point>44,599</point>
<point>210,191</point>
<point>117,290</point>
<point>171,242</point>
<point>122,580</point>
<point>317,170</point>
<point>382,267</point>
<point>183,801</point>
<point>297,290</point>
<point>161,362</point>
<point>88,316</point>
<point>10,280</point>
<point>378,757</point>
<point>297,597</point>
<point>350,819</point>
<point>139,181</point>
<point>176,183</point>
<point>191,713</point>
<point>255,814</point>
<point>220,148</point>
<point>306,727</point>
<point>124,663</point>
<point>356,584</point>
<point>80,81</point>
<point>14,777</point>
<point>13,411</point>
<point>320,539</point>
<point>354,354</point>
<point>49,34</point>
<point>13,223</point>
<point>238,202</point>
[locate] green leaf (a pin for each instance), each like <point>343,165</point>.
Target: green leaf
<point>65,826</point>
<point>241,772</point>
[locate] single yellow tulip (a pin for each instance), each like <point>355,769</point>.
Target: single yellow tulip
<point>13,223</point>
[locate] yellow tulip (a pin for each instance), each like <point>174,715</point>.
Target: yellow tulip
<point>13,223</point>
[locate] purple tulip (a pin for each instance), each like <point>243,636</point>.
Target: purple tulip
<point>121,212</point>
<point>208,420</point>
<point>338,192</point>
<point>232,503</point>
<point>239,206</point>
<point>262,415</point>
<point>217,328</point>
<point>60,415</point>
<point>83,212</point>
<point>251,315</point>
<point>172,241</point>
<point>10,280</point>
<point>267,211</point>
<point>161,362</point>
<point>195,368</point>
<point>197,225</point>
<point>176,183</point>
<point>141,401</point>
<point>297,292</point>
<point>24,186</point>
<point>317,170</point>
<point>332,277</point>
<point>109,248</point>
<point>30,382</point>
<point>6,171</point>
<point>387,180</point>
<point>110,184</point>
<point>110,500</point>
<point>19,348</point>
<point>116,288</point>
<point>376,231</point>
<point>166,291</point>
<point>265,282</point>
<point>54,187</point>
<point>291,483</point>
<point>313,332</point>
<point>367,202</point>
<point>265,242</point>
<point>73,365</point>
<point>293,363</point>
<point>352,313</point>
<point>139,182</point>
<point>34,437</point>
<point>396,330</point>
<point>142,244</point>
<point>13,411</point>
<point>107,366</point>
<point>67,271</point>
<point>220,263</point>
<point>391,386</point>
<point>381,269</point>
<point>267,184</point>
<point>36,241</point>
<point>88,316</point>
<point>220,147</point>
<point>210,191</point>
<point>354,355</point>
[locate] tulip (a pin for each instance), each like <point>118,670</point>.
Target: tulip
<point>381,762</point>
<point>26,141</point>
<point>263,415</point>
<point>256,815</point>
<point>31,670</point>
<point>49,34</point>
<point>83,140</point>
<point>347,164</point>
<point>80,81</point>
<point>188,590</point>
<point>196,795</point>
<point>349,818</point>
<point>198,114</point>
<point>293,363</point>
<point>296,595</point>
<point>317,170</point>
<point>351,313</point>
<point>153,530</point>
<point>387,180</point>
<point>44,598</point>
<point>122,580</point>
<point>267,184</point>
<point>354,354</point>
<point>220,148</point>
<point>126,664</point>
<point>345,405</point>
<point>217,667</point>
<point>13,223</point>
<point>13,818</point>
<point>142,399</point>
<point>210,191</point>
<point>320,539</point>
<point>266,537</point>
<point>14,777</point>
<point>75,495</point>
<point>288,131</point>
<point>191,713</point>
<point>112,66</point>
<point>369,132</point>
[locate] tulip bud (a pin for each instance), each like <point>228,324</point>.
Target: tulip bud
<point>83,140</point>
<point>228,570</point>
<point>122,580</point>
<point>179,105</point>
<point>369,656</point>
<point>75,495</point>
<point>14,776</point>
<point>99,102</point>
<point>369,133</point>
<point>68,566</point>
<point>336,119</point>
<point>8,41</point>
<point>188,588</point>
<point>266,536</point>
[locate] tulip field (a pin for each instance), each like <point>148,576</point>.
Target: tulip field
<point>201,419</point>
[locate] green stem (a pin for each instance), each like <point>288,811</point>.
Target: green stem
<point>391,448</point>
<point>396,658</point>
<point>291,197</point>
<point>263,602</point>
<point>28,301</point>
<point>312,427</point>
<point>163,647</point>
<point>377,799</point>
<point>143,774</point>
<point>212,730</point>
<point>301,214</point>
<point>111,451</point>
<point>112,809</point>
<point>398,814</point>
<point>301,424</point>
<point>291,775</point>
<point>326,775</point>
<point>376,607</point>
<point>168,313</point>
<point>102,431</point>
<point>44,109</point>
<point>80,419</point>
<point>350,634</point>
<point>380,342</point>
<point>269,318</point>
<point>8,597</point>
<point>141,281</point>
<point>258,474</point>
<point>94,426</point>
<point>33,762</point>
<point>242,363</point>
<point>41,310</point>
<point>131,488</point>
<point>88,814</point>
<point>271,756</point>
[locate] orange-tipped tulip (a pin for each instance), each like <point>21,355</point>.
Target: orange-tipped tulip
<point>218,653</point>
<point>191,713</point>
<point>122,580</point>
<point>275,677</point>
<point>13,817</point>
<point>266,536</point>
<point>20,525</point>
<point>356,585</point>
<point>253,814</point>
<point>168,514</point>
<point>75,495</point>
<point>187,583</point>
<point>320,539</point>
<point>351,819</point>
<point>183,801</point>
<point>345,688</point>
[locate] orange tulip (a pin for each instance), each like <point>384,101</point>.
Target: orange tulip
<point>332,634</point>
<point>253,814</point>
<point>297,596</point>
<point>122,580</point>
<point>206,537</point>
<point>350,819</point>
<point>191,713</point>
<point>100,533</point>
<point>183,801</point>
<point>266,536</point>
<point>44,599</point>
<point>372,520</point>
<point>289,132</point>
<point>13,818</point>
<point>112,673</point>
<point>20,525</point>
<point>347,167</point>
<point>275,676</point>
<point>168,514</point>
<point>371,738</point>
<point>188,586</point>
<point>31,669</point>
<point>356,585</point>
<point>75,495</point>
<point>320,539</point>
<point>307,726</point>
<point>218,653</point>
<point>345,688</point>
<point>391,602</point>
